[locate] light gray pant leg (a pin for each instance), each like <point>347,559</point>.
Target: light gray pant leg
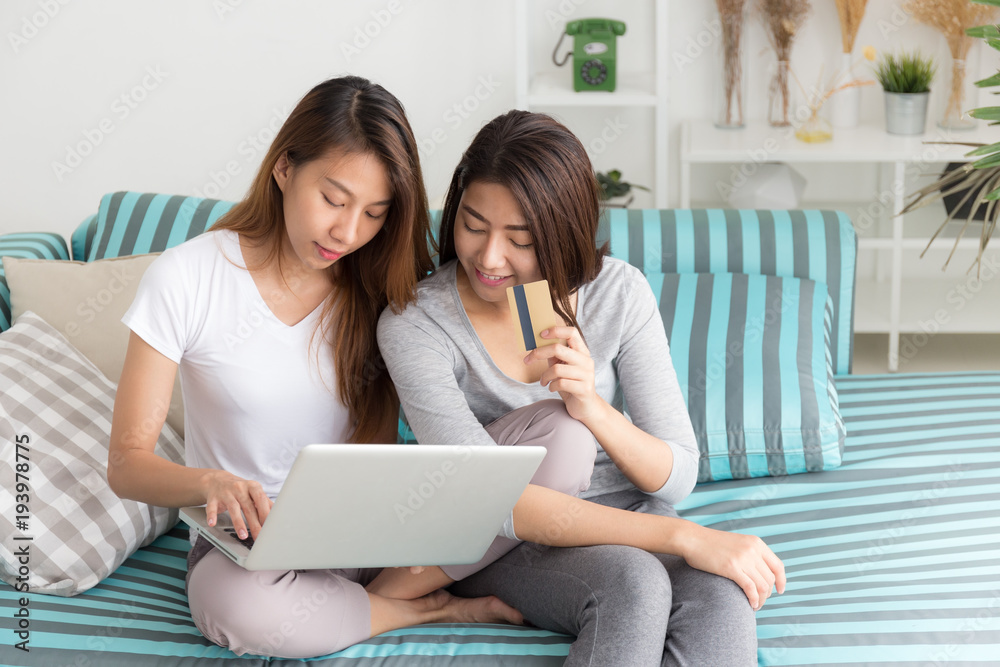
<point>615,599</point>
<point>279,613</point>
<point>567,466</point>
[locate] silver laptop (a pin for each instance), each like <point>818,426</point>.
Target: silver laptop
<point>345,506</point>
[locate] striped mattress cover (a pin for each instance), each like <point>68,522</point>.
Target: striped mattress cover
<point>892,559</point>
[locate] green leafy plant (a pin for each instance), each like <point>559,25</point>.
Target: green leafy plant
<point>612,185</point>
<point>979,179</point>
<point>905,72</point>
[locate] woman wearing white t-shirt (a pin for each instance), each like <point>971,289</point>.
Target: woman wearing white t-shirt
<point>270,319</point>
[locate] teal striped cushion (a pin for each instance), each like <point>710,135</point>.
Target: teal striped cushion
<point>818,245</point>
<point>78,242</point>
<point>752,355</point>
<point>40,245</point>
<point>893,559</point>
<point>134,223</point>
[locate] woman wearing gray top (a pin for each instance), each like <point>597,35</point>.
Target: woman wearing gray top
<point>639,586</point>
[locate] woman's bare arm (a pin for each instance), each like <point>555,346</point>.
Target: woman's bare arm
<point>548,517</point>
<point>136,472</point>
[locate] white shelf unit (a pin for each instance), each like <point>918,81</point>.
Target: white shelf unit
<point>634,89</point>
<point>886,302</point>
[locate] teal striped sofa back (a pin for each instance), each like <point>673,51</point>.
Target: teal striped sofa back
<point>28,245</point>
<point>813,244</point>
<point>136,223</point>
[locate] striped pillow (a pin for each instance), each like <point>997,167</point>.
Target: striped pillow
<point>135,223</point>
<point>752,355</point>
<point>811,244</point>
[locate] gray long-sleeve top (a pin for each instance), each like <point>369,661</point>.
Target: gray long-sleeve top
<point>450,388</point>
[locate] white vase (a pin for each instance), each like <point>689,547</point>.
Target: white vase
<point>958,94</point>
<point>782,102</point>
<point>845,105</point>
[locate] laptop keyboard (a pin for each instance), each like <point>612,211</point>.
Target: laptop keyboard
<point>247,541</point>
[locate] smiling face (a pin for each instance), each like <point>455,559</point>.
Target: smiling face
<point>332,205</point>
<point>493,243</point>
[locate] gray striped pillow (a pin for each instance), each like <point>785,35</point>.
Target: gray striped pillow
<point>752,355</point>
<point>58,406</point>
<point>811,244</point>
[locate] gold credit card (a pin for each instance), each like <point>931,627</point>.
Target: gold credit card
<point>531,306</point>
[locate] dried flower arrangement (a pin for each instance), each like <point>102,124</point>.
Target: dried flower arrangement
<point>952,18</point>
<point>850,12</point>
<point>731,16</point>
<point>782,20</point>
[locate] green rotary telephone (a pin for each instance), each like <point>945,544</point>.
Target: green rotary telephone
<point>594,53</point>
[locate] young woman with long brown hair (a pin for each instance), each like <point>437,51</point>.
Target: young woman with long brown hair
<point>270,319</point>
<point>640,585</point>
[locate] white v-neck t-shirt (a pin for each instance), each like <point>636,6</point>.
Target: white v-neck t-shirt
<point>254,391</point>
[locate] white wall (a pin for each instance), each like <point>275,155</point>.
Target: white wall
<point>170,95</point>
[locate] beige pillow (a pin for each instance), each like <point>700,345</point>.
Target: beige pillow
<point>85,301</point>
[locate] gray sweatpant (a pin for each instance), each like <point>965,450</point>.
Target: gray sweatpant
<point>308,613</point>
<point>626,606</point>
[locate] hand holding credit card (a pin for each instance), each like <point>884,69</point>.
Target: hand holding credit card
<point>531,306</point>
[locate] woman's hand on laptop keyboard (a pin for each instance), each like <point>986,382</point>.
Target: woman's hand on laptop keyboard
<point>225,492</point>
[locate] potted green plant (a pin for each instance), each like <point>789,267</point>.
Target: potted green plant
<point>906,80</point>
<point>613,187</point>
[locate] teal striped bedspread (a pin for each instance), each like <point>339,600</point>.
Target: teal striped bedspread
<point>892,559</point>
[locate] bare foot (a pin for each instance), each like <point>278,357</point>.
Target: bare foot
<point>489,609</point>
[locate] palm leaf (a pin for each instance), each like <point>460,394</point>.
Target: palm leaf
<point>986,113</point>
<point>985,150</point>
<point>990,81</point>
<point>987,162</point>
<point>968,220</point>
<point>984,32</point>
<point>974,182</point>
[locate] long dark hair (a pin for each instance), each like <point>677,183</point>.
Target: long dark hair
<point>352,115</point>
<point>547,170</point>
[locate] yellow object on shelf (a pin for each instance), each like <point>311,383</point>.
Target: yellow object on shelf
<point>813,136</point>
<point>815,130</point>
